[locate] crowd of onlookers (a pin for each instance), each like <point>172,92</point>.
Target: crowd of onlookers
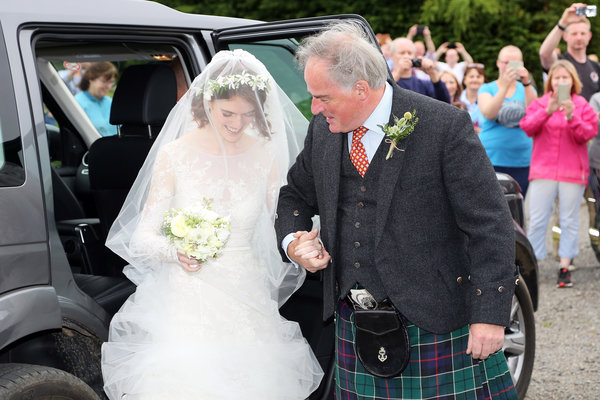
<point>542,138</point>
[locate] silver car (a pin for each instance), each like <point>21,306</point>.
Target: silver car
<point>62,183</point>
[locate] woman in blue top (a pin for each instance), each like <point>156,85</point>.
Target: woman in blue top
<point>95,84</point>
<point>502,104</point>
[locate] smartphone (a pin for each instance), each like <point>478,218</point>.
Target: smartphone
<point>563,92</point>
<point>420,29</point>
<point>589,11</point>
<point>515,64</point>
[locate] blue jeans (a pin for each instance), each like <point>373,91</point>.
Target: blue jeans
<point>542,193</point>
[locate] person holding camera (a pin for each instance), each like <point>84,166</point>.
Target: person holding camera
<point>502,104</point>
<point>560,122</point>
<point>453,50</point>
<point>403,55</point>
<point>427,49</point>
<point>422,50</point>
<point>575,30</point>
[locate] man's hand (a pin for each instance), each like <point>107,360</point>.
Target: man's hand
<point>412,32</point>
<point>307,251</point>
<point>523,74</point>
<point>428,67</point>
<point>426,32</point>
<point>570,16</point>
<point>506,78</point>
<point>484,340</point>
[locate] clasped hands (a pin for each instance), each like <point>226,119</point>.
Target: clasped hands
<point>308,251</point>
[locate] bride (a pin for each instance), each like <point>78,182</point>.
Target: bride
<point>212,329</point>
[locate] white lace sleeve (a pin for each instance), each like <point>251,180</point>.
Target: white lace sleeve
<point>148,239</point>
<point>276,180</point>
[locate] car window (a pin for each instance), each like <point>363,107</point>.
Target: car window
<point>278,57</point>
<point>76,117</point>
<point>12,171</point>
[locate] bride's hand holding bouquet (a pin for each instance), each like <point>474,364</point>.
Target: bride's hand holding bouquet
<point>198,233</point>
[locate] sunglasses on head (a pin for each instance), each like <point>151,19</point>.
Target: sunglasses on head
<point>476,65</point>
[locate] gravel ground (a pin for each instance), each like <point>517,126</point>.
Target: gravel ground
<point>567,322</point>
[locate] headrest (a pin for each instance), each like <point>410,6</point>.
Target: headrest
<point>144,95</point>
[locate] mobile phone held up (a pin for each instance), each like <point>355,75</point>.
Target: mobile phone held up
<point>420,30</point>
<point>563,92</point>
<point>516,65</point>
<point>589,11</point>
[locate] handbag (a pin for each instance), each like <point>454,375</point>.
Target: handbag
<point>381,342</point>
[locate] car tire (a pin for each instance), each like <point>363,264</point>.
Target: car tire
<point>24,381</point>
<point>519,339</point>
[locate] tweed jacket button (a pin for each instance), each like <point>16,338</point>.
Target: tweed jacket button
<point>356,265</point>
<point>276,216</point>
<point>296,213</point>
<point>517,282</point>
<point>363,189</point>
<point>501,289</point>
<point>357,244</point>
<point>459,279</point>
<point>360,204</point>
<point>478,292</point>
<point>357,225</point>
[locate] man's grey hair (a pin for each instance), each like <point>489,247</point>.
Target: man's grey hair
<point>398,40</point>
<point>350,53</point>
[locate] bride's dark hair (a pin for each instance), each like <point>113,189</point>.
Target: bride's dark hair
<point>256,97</point>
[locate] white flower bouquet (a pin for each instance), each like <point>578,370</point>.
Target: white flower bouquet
<point>199,232</point>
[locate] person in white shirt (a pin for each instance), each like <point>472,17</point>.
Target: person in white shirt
<point>453,51</point>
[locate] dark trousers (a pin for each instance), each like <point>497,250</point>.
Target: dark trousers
<point>519,174</point>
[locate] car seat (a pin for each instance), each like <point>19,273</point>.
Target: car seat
<point>144,96</point>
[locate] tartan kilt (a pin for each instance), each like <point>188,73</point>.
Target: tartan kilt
<point>439,368</point>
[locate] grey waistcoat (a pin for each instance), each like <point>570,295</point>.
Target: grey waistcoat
<point>356,215</point>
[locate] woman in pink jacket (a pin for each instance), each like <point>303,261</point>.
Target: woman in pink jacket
<point>559,162</point>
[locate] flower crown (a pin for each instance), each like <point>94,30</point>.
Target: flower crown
<point>234,81</point>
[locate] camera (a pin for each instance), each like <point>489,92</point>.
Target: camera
<point>589,11</point>
<point>451,45</point>
<point>416,62</point>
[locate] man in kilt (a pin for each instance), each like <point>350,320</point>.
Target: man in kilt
<point>420,223</point>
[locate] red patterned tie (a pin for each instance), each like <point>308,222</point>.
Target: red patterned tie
<point>358,155</point>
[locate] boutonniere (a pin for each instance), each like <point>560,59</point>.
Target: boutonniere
<point>400,130</point>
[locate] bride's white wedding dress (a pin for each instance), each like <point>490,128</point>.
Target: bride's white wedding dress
<point>215,333</point>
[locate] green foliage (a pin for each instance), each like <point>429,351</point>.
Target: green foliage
<point>482,26</point>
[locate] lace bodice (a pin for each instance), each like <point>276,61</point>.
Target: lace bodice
<point>240,186</point>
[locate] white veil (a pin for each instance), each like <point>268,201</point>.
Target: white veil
<point>189,145</point>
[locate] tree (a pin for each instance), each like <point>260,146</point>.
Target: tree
<point>483,26</point>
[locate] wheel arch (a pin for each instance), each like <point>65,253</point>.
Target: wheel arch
<point>527,263</point>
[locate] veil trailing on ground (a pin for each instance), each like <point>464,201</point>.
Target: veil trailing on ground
<point>229,153</point>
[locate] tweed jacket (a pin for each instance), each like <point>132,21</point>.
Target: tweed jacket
<point>443,231</point>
